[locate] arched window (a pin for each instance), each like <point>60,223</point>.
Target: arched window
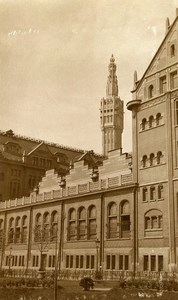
<point>112,220</point>
<point>72,224</point>
<point>54,226</point>
<point>92,222</point>
<point>81,223</point>
<point>144,195</point>
<point>38,228</point>
<point>125,219</point>
<point>155,219</point>
<point>152,159</point>
<point>172,50</point>
<point>151,119</point>
<point>152,193</point>
<point>46,226</point>
<point>158,157</point>
<point>143,125</point>
<point>150,91</point>
<point>158,119</point>
<point>24,229</point>
<point>11,231</point>
<point>160,191</point>
<point>144,161</point>
<point>17,230</point>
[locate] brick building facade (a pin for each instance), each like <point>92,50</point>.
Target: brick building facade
<point>120,215</point>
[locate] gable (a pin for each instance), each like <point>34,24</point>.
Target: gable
<point>41,150</point>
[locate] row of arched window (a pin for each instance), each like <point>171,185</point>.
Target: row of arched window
<point>152,193</point>
<point>17,232</point>
<point>46,226</point>
<point>82,223</point>
<point>154,220</point>
<point>152,160</point>
<point>151,121</point>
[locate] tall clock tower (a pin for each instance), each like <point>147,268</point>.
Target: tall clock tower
<point>111,113</point>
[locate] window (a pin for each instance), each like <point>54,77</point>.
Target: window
<point>67,261</point>
<point>144,161</point>
<point>17,230</point>
<point>144,194</point>
<point>35,260</point>
<point>71,224</point>
<point>125,219</point>
<point>172,50</point>
<point>163,84</point>
<point>46,228</point>
<point>160,263</point>
<point>143,125</point>
<point>81,223</point>
<point>151,159</point>
<point>112,220</point>
<point>92,223</point>
<point>123,262</point>
<point>87,262</point>
<point>153,262</point>
<point>110,262</point>
<point>151,119</point>
<point>92,261</point>
<point>54,224</point>
<point>81,261</point>
<point>158,157</point>
<point>153,222</point>
<point>77,261</point>
<point>24,230</point>
<point>108,258</point>
<point>160,191</point>
<point>158,119</point>
<point>150,91</point>
<point>52,261</point>
<point>176,112</point>
<point>152,193</point>
<point>145,263</point>
<point>173,80</point>
<point>14,189</point>
<point>38,227</point>
<point>11,231</point>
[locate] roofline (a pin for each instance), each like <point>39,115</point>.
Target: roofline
<point>141,80</point>
<point>52,144</point>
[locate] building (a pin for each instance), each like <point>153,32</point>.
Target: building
<point>117,216</point>
<point>23,162</point>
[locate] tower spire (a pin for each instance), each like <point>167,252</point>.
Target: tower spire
<point>112,83</point>
<point>111,113</point>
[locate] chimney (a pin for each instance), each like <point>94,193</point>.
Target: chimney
<point>167,25</point>
<point>176,12</point>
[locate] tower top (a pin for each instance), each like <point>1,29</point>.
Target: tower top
<point>112,83</point>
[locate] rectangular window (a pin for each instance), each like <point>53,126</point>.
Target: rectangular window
<point>145,263</point>
<point>163,84</point>
<point>126,262</point>
<point>120,262</point>
<point>81,261</point>
<point>20,260</point>
<point>173,80</point>
<point>92,262</point>
<point>71,261</point>
<point>88,262</point>
<point>108,262</point>
<point>160,263</point>
<point>33,264</point>
<point>113,262</point>
<point>7,260</point>
<point>153,263</point>
<point>77,261</point>
<point>49,263</point>
<point>67,261</point>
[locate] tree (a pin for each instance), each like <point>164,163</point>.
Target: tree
<point>42,239</point>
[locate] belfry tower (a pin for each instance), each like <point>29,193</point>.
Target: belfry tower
<point>111,113</point>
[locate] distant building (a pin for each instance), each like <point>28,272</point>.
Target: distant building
<point>119,216</point>
<point>23,162</point>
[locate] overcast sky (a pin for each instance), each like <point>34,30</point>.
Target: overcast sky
<point>54,57</point>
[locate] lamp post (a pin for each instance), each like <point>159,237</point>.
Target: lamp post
<point>10,257</point>
<point>97,253</point>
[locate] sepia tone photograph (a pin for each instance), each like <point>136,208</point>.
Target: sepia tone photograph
<point>88,149</point>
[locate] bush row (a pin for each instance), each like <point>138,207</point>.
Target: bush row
<point>26,282</point>
<point>169,284</point>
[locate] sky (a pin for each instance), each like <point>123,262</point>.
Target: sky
<point>54,57</point>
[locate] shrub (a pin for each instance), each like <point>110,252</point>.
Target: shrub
<point>87,283</point>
